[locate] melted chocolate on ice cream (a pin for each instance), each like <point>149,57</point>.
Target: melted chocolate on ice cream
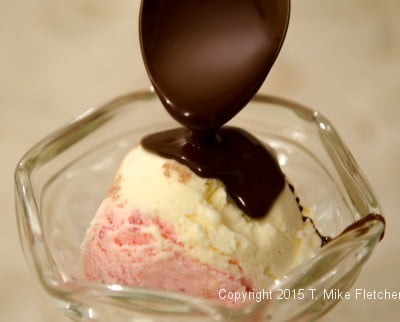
<point>250,173</point>
<point>206,60</point>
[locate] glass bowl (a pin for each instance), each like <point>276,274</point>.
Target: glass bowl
<point>61,181</point>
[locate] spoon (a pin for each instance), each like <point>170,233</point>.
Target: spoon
<point>207,58</point>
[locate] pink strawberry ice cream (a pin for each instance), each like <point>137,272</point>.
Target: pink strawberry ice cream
<point>163,227</point>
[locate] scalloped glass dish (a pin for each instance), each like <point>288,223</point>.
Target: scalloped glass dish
<point>61,181</point>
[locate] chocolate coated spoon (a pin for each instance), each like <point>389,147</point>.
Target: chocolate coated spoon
<point>208,58</point>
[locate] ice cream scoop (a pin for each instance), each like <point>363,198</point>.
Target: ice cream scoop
<point>162,226</point>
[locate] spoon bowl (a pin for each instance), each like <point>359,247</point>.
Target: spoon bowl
<point>207,59</point>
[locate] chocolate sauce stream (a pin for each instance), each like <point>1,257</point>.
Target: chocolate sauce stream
<point>250,173</point>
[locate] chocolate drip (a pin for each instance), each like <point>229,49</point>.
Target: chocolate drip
<point>357,224</point>
<point>361,222</point>
<point>249,171</point>
<point>324,239</point>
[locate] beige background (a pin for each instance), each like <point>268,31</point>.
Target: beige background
<point>60,57</point>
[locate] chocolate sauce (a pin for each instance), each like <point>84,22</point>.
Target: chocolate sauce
<point>251,175</point>
<point>361,222</point>
<point>206,60</point>
<point>355,225</point>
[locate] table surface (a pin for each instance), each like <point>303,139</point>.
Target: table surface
<point>340,57</point>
